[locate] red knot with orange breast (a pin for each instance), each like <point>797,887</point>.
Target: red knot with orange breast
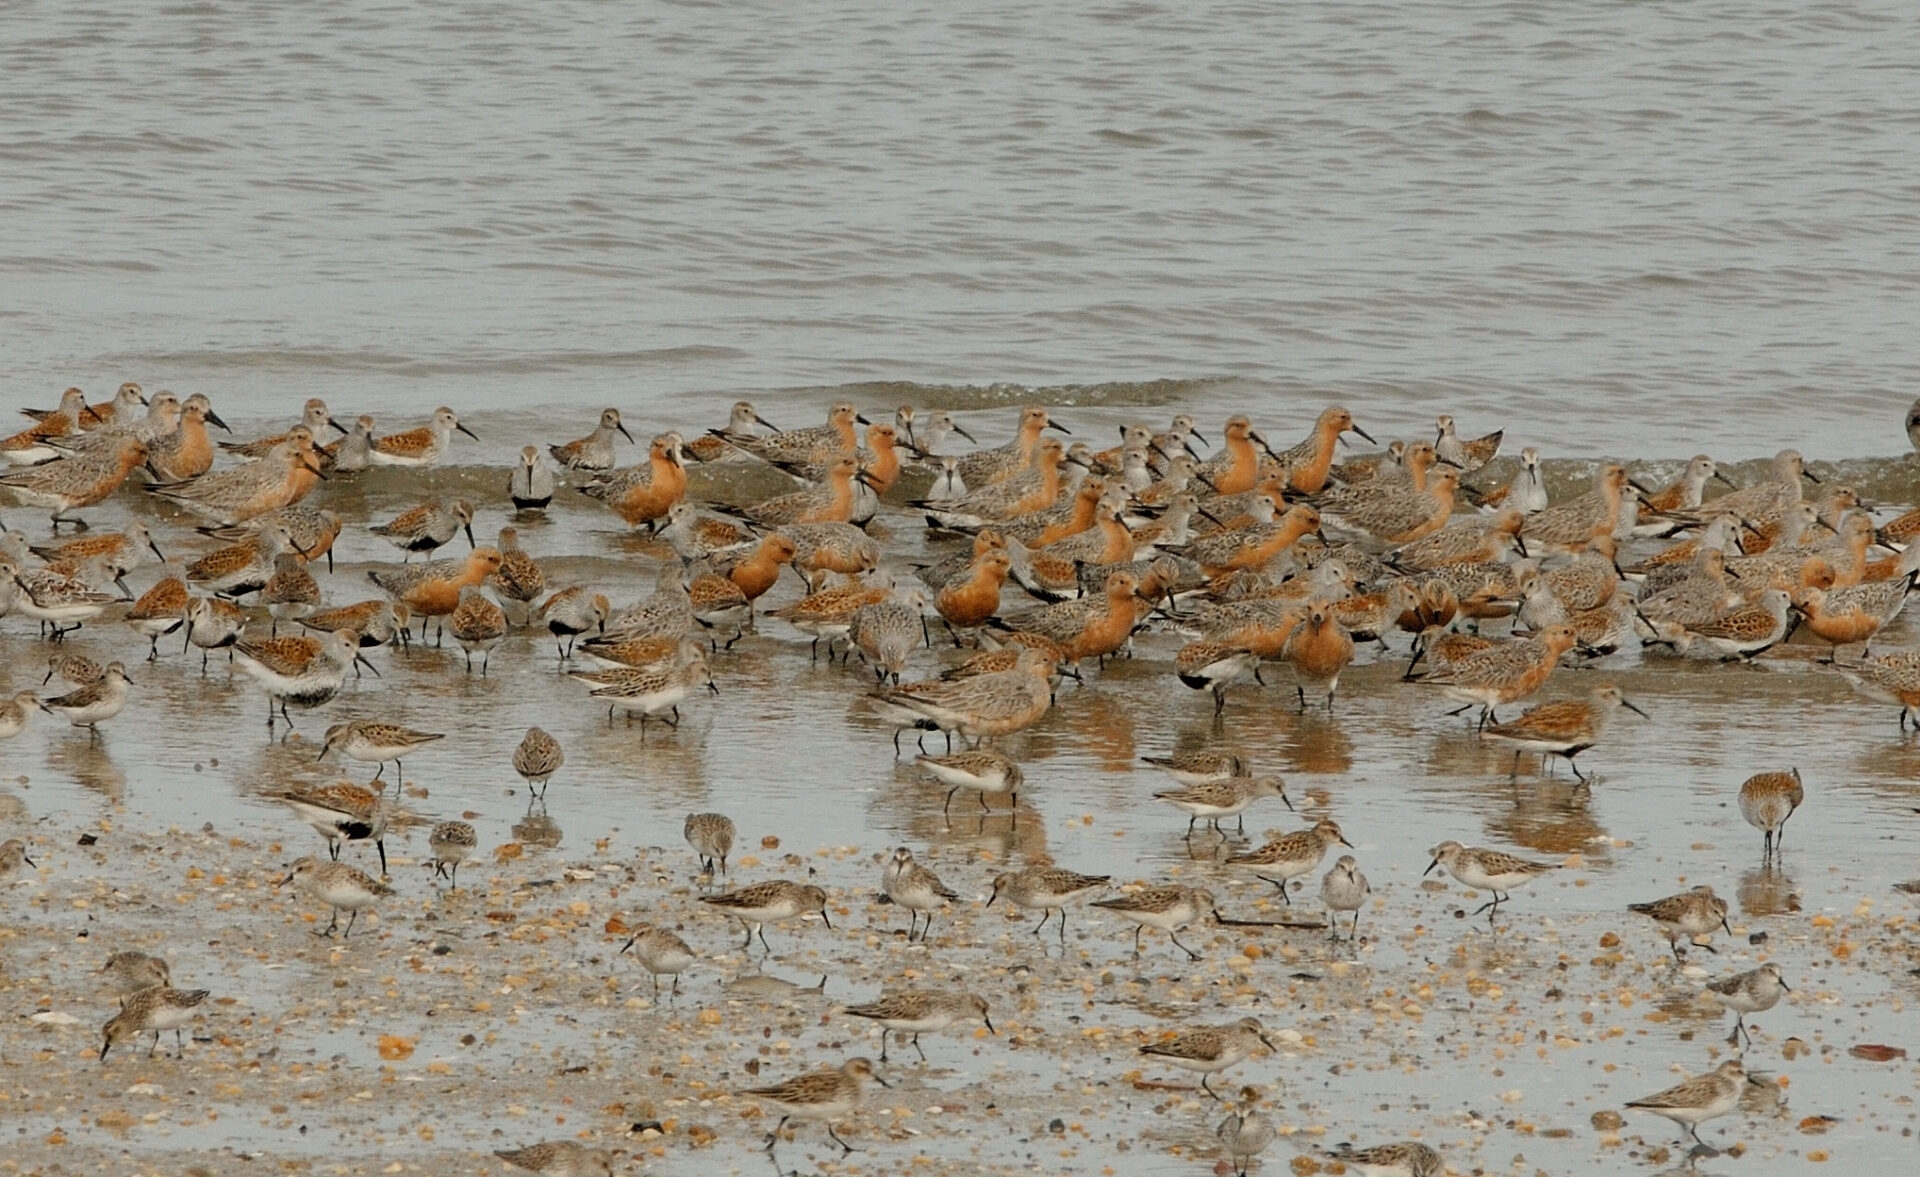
<point>283,477</point>
<point>1505,673</point>
<point>1033,489</point>
<point>1236,467</point>
<point>70,484</point>
<point>828,502</point>
<point>1318,650</point>
<point>1308,463</point>
<point>643,494</point>
<point>186,451</point>
<point>433,589</point>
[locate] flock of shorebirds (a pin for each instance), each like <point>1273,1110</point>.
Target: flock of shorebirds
<point>1048,558</point>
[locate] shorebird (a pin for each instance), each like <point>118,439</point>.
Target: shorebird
<point>243,567</point>
<point>985,467</point>
<point>1168,908</point>
<point>226,497</point>
<point>1246,1132</point>
<point>984,770</point>
<point>1767,800</point>
<point>1403,1158</point>
<point>451,843</point>
<point>376,622</point>
<point>519,579</point>
<point>644,494</point>
<point>1702,1098</point>
<point>419,447</point>
<point>912,885</point>
<point>1481,869</point>
<point>1893,677</point>
<point>352,453</point>
<point>315,418</point>
<point>301,671</point>
<point>89,705</point>
<point>213,624</point>
<point>571,612</point>
<point>312,530</point>
<point>595,450</point>
<point>771,902</point>
<point>1048,888</point>
<point>653,690</point>
<point>478,625</point>
<point>1230,796</point>
<point>816,443</point>
<point>427,526</point>
<point>30,446</point>
<point>70,484</point>
<point>711,836</point>
<point>291,592</point>
<point>1344,888</point>
<point>537,758</point>
<point>1564,728</point>
<point>717,444</point>
<point>559,1158</point>
<point>129,972</point>
<point>187,452</point>
<point>1468,454</point>
<point>1504,673</point>
<point>156,1009</point>
<point>920,1011</point>
<point>1211,1049</point>
<point>341,812</point>
<point>341,886</point>
<point>1307,464</point>
<point>530,486</point>
<point>659,951</point>
<point>1690,914</point>
<point>1754,991</point>
<point>369,740</point>
<point>433,590</point>
<point>985,705</point>
<point>1291,855</point>
<point>825,1095</point>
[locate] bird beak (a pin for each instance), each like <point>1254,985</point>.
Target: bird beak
<point>285,881</point>
<point>1269,1043</point>
<point>1362,433</point>
<point>1289,804</point>
<point>1210,517</point>
<point>1430,868</point>
<point>1721,476</point>
<point>1725,926</point>
<point>990,899</point>
<point>362,660</point>
<point>991,1030</point>
<point>1448,462</point>
<point>880,1081</point>
<point>1349,845</point>
<point>1195,433</point>
<point>155,549</point>
<point>213,418</point>
<point>32,863</point>
<point>1628,704</point>
<point>759,420</point>
<point>468,527</point>
<point>624,433</point>
<point>1520,545</point>
<point>1206,482</point>
<point>465,430</point>
<point>629,944</point>
<point>1264,447</point>
<point>1062,428</point>
<point>338,426</point>
<point>1785,986</point>
<point>825,920</point>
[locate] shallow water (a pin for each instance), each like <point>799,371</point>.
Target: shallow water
<point>1696,218</point>
<point>787,747</point>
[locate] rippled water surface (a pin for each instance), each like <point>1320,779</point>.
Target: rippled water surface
<point>1617,229</point>
<point>1698,218</point>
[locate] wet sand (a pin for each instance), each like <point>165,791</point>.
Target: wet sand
<point>452,1024</point>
